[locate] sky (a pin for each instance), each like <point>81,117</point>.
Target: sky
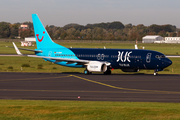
<point>83,12</point>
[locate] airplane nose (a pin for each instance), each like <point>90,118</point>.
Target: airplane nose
<point>168,62</point>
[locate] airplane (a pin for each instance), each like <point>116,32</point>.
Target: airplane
<point>94,60</point>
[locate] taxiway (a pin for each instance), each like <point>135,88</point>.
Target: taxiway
<point>97,87</point>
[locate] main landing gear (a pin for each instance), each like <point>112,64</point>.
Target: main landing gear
<point>86,72</point>
<point>107,72</point>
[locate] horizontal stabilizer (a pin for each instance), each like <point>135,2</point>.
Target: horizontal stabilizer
<point>25,49</point>
<point>30,50</point>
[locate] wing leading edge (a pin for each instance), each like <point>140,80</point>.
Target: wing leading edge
<point>57,59</point>
<point>69,61</point>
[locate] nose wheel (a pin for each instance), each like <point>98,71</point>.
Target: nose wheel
<point>155,72</point>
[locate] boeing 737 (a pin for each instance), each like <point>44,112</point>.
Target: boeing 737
<point>94,60</point>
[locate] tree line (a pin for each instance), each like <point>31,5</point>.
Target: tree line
<point>100,31</point>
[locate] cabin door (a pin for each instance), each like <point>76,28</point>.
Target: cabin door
<point>148,60</point>
<point>148,57</point>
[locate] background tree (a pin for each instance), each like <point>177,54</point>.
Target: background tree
<point>115,25</point>
<point>14,30</point>
<point>4,30</point>
<point>26,33</point>
<point>98,31</point>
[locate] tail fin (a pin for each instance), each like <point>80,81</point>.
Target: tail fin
<point>43,39</point>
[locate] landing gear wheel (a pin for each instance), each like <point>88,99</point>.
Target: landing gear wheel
<point>155,72</point>
<point>108,72</point>
<point>86,72</point>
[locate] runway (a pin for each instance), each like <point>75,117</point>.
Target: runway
<point>96,87</point>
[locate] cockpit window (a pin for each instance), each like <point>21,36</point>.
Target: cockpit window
<point>162,56</point>
<point>157,56</point>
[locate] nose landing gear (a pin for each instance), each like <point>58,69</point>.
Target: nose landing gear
<point>155,72</point>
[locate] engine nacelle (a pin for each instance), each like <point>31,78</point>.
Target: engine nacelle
<point>95,66</point>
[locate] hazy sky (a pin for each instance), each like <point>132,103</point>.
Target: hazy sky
<point>62,12</point>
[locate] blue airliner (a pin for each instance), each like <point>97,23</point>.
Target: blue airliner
<point>94,60</point>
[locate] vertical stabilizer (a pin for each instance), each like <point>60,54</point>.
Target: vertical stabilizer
<point>43,39</point>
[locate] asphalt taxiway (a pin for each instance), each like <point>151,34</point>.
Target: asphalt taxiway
<point>96,87</point>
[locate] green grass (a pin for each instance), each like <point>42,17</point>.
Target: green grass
<point>87,110</point>
<point>36,65</point>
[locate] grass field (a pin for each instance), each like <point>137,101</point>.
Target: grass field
<point>84,110</point>
<point>87,110</point>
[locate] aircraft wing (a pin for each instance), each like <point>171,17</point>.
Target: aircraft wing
<point>69,61</point>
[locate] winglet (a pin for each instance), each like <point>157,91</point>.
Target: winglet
<point>17,50</point>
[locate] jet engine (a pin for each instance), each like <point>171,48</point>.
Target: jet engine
<point>95,66</point>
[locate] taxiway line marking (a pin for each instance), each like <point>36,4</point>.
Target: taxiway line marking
<point>120,88</point>
<point>137,80</point>
<point>75,91</point>
<point>34,78</point>
<point>22,90</point>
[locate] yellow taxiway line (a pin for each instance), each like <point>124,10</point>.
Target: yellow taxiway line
<point>130,89</point>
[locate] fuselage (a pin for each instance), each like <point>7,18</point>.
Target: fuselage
<point>119,58</point>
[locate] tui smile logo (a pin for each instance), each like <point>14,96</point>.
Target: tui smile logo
<point>41,38</point>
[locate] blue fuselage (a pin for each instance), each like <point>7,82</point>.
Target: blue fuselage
<point>119,58</point>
